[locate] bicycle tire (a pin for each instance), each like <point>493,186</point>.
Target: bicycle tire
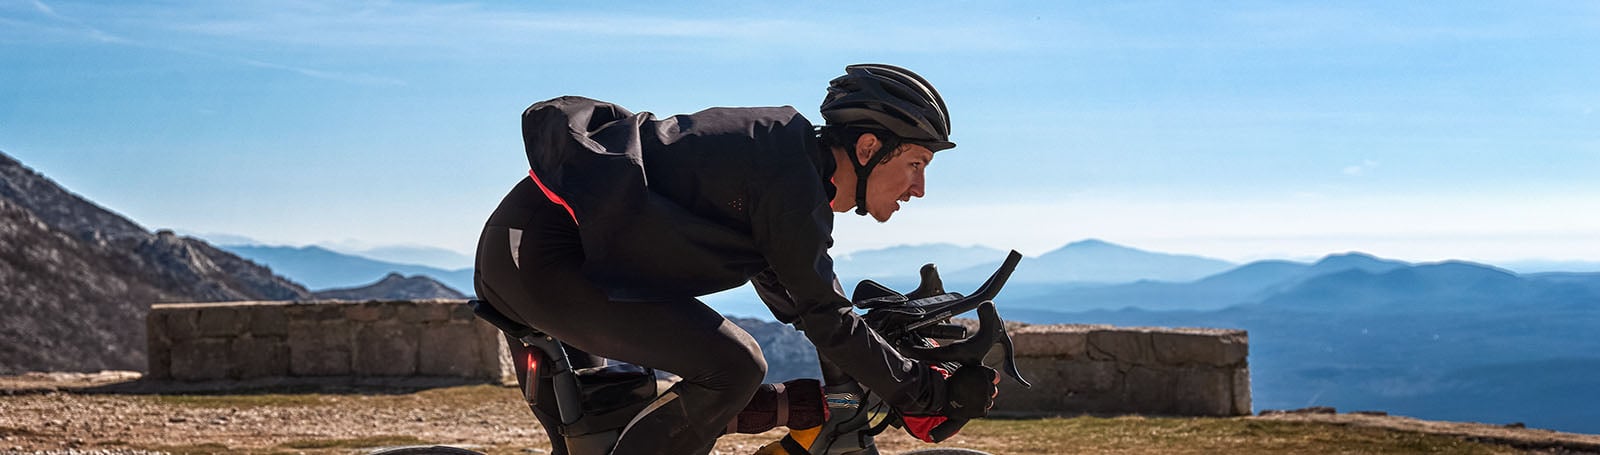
<point>945,451</point>
<point>424,450</point>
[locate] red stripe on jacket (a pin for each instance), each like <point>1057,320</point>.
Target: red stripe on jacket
<point>553,197</point>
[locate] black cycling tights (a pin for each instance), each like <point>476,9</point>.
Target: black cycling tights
<point>528,268</point>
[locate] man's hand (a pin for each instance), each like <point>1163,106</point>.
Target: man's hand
<point>969,393</point>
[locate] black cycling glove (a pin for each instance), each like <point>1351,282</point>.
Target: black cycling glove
<point>971,391</point>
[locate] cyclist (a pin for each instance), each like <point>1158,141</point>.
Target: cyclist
<point>626,218</point>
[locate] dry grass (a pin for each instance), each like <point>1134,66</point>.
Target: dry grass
<point>1202,435</point>
<point>493,419</point>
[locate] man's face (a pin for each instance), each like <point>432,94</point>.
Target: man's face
<point>897,181</point>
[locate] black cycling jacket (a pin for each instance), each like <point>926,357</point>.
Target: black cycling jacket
<point>693,204</point>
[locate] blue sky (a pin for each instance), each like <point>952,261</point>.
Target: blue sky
<point>1239,130</point>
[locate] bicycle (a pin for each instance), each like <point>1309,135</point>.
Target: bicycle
<point>595,404</point>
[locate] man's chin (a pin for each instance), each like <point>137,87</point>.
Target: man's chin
<point>882,218</point>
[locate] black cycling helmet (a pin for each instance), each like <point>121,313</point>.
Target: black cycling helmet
<point>886,99</point>
<point>890,98</point>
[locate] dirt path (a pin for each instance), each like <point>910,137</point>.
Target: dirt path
<point>69,413</point>
<point>1515,436</point>
<point>72,414</point>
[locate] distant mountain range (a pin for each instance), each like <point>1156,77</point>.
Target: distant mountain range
<point>1244,284</point>
<point>1450,341</point>
<point>1088,262</point>
<point>394,286</point>
<point>1085,262</point>
<point>77,280</point>
<point>321,268</point>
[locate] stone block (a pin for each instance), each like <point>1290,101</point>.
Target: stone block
<point>199,359</point>
<point>158,350</point>
<point>320,348</point>
<point>1242,405</point>
<point>1070,344</point>
<point>259,357</point>
<point>494,357</point>
<point>1200,347</point>
<point>1150,390</point>
<point>1060,386</point>
<point>328,311</point>
<point>435,311</point>
<point>459,310</point>
<point>504,371</point>
<point>386,349</point>
<point>1127,346</point>
<point>268,321</point>
<point>407,312</point>
<point>314,311</point>
<point>368,311</point>
<point>219,321</point>
<point>449,349</point>
<point>1202,391</point>
<point>179,323</point>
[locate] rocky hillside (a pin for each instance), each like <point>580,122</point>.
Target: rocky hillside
<point>789,354</point>
<point>394,287</point>
<point>76,280</point>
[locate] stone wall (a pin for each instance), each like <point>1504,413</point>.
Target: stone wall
<point>1097,369</point>
<point>248,340</point>
<point>1075,369</point>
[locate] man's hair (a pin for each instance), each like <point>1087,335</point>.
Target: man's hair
<point>845,137</point>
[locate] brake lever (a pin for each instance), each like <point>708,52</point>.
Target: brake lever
<point>930,285</point>
<point>896,314</point>
<point>971,351</point>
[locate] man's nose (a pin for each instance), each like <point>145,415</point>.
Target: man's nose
<point>919,186</point>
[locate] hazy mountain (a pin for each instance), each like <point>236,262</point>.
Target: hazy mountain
<point>394,287</point>
<point>1539,266</point>
<point>421,255</point>
<point>1451,285</point>
<point>321,268</point>
<point>221,240</point>
<point>1248,283</point>
<point>1096,261</point>
<point>76,280</point>
<point>1451,340</point>
<point>789,354</point>
<point>904,260</point>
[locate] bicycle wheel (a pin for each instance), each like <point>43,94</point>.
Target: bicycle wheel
<point>423,450</point>
<point>945,451</point>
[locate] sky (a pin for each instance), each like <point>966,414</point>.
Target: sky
<point>1424,130</point>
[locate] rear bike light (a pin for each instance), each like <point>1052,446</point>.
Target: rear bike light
<point>530,381</point>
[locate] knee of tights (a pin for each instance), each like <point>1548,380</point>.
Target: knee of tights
<point>734,375</point>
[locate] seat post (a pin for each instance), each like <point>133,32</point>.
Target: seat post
<point>568,391</point>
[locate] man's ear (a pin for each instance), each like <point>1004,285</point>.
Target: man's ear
<point>866,145</point>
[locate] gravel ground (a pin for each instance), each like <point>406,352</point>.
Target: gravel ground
<point>63,421</point>
<point>56,414</point>
<point>61,414</point>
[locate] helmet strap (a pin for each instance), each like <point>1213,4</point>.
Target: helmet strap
<point>889,144</point>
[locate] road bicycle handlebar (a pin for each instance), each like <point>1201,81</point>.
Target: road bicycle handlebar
<point>909,321</point>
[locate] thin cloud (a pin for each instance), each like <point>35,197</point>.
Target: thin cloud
<point>77,26</point>
<point>432,26</point>
<point>81,28</point>
<point>363,79</point>
<point>43,8</point>
<point>1357,170</point>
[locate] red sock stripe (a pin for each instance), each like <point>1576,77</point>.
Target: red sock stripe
<point>553,197</point>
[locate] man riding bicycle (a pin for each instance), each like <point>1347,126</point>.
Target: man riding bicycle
<point>625,219</point>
